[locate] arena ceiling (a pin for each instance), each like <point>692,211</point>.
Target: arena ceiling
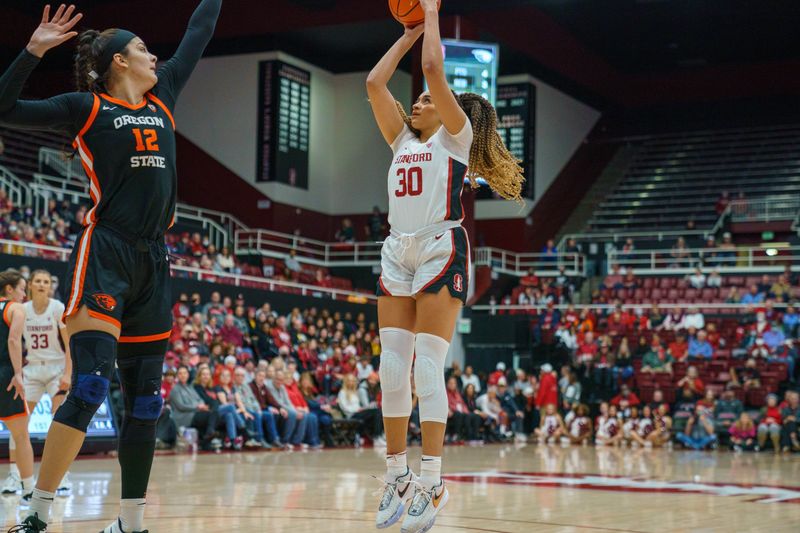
<point>619,52</point>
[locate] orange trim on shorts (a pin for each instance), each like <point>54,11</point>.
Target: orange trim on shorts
<point>447,266</point>
<point>146,338</point>
<point>160,104</point>
<point>123,103</point>
<point>105,318</point>
<point>12,417</point>
<point>74,302</point>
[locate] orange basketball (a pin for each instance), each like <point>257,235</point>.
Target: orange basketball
<point>408,12</point>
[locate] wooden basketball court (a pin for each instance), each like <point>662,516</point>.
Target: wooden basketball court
<point>500,488</point>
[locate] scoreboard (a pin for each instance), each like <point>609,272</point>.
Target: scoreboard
<point>284,123</point>
<point>516,125</point>
<point>471,67</point>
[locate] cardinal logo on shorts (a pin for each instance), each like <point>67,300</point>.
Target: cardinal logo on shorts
<point>105,301</point>
<point>458,283</point>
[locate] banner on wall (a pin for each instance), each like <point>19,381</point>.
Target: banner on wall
<point>284,127</point>
<point>516,125</point>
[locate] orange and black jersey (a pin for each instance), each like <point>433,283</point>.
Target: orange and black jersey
<point>127,151</point>
<point>5,330</point>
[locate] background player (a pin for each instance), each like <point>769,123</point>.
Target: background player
<point>48,367</point>
<point>425,261</point>
<point>13,411</point>
<point>118,309</point>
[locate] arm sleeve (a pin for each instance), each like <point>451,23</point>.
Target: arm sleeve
<point>65,113</point>
<point>174,74</point>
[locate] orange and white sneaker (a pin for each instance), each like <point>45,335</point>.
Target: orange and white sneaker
<point>425,505</point>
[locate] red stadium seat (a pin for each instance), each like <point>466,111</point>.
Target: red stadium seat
<point>756,397</point>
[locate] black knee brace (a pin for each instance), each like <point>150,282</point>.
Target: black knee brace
<point>93,354</point>
<point>141,390</point>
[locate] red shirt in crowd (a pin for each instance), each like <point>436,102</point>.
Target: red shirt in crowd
<point>678,350</point>
<point>775,414</point>
<point>295,396</point>
<point>232,335</point>
<point>631,398</point>
<point>455,402</point>
<point>494,377</point>
<point>281,337</point>
<point>548,390</point>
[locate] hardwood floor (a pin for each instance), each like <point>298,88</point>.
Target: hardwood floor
<point>493,489</point>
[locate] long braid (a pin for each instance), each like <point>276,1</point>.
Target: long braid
<point>489,158</point>
<point>406,118</point>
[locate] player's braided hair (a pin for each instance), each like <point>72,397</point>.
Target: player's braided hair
<point>87,55</point>
<point>489,158</point>
<point>10,277</point>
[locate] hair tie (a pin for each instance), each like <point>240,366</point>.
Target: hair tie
<point>93,74</point>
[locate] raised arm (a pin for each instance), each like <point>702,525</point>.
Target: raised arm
<point>65,112</point>
<point>174,74</point>
<point>384,105</point>
<point>453,117</point>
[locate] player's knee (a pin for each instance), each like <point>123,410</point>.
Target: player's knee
<point>141,381</point>
<point>429,367</point>
<point>398,351</point>
<point>93,355</point>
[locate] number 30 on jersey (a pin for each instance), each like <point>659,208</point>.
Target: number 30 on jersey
<point>410,182</point>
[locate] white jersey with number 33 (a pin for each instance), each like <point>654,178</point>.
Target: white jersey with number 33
<point>426,178</point>
<point>42,333</point>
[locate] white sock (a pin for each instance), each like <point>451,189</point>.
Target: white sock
<point>27,484</point>
<point>131,514</point>
<point>396,465</point>
<point>40,504</point>
<point>14,469</point>
<point>431,471</point>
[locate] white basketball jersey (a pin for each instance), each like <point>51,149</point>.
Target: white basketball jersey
<point>42,333</point>
<point>426,179</point>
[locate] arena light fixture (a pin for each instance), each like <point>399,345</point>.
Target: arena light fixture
<point>772,252</point>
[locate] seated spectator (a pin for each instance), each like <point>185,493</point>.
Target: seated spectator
<point>699,347</point>
<point>697,280</point>
<point>747,377</point>
<point>571,393</point>
<point>226,392</point>
<point>743,433</point>
<point>657,359</point>
<point>258,424</point>
<point>658,401</point>
<point>189,409</point>
<point>352,405</point>
<point>699,432</point>
<point>225,262</point>
<point>270,408</point>
<point>615,279</point>
<point>462,424</point>
<point>514,414</point>
<point>727,250</point>
<point>781,290</point>
<point>680,254</point>
<point>714,279</point>
<point>376,229</point>
<point>587,350</point>
<point>531,280</point>
<point>489,405</point>
<point>346,232</point>
<point>692,382</point>
<point>623,362</point>
<point>226,410</point>
<point>294,421</point>
<point>733,297</point>
<point>786,353</point>
<point>679,349</point>
<point>727,409</point>
<point>790,320</point>
<point>675,321</point>
<point>470,378</point>
<point>694,319</point>
<point>319,405</point>
<point>765,285</point>
<point>551,428</point>
<point>753,296</point>
<point>311,437</point>
<point>713,336</point>
<point>790,437</point>
<point>769,424</point>
<point>759,349</point>
<point>499,372</point>
<point>625,400</point>
<point>550,252</point>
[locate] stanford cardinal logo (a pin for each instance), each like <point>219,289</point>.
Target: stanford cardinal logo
<point>458,283</point>
<point>105,301</point>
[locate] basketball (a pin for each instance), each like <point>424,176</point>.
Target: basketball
<point>408,12</point>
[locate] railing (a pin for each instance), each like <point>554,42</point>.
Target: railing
<point>723,308</point>
<point>69,168</point>
<point>230,223</point>
<point>520,264</point>
<point>741,259</point>
<point>279,245</point>
<point>16,189</point>
<point>56,253</point>
<point>765,209</point>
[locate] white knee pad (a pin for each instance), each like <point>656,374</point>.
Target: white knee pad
<point>397,353</point>
<point>429,377</point>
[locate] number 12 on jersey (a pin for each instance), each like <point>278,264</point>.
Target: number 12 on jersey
<point>148,142</point>
<point>410,182</point>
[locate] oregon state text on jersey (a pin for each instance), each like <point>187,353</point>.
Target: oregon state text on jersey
<point>426,178</point>
<point>135,169</point>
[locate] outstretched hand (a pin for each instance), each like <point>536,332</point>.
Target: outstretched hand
<point>55,31</point>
